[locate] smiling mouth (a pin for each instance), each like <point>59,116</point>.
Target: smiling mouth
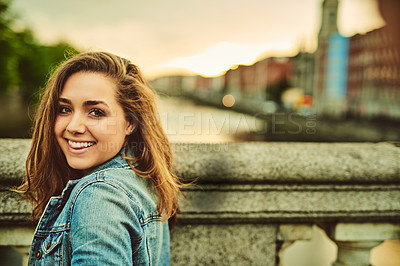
<point>80,144</point>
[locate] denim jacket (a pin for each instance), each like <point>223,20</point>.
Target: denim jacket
<point>108,217</point>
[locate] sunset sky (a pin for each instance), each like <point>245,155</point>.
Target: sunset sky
<point>205,37</point>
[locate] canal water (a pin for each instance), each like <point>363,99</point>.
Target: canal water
<point>185,121</point>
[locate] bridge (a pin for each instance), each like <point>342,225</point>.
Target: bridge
<point>253,200</point>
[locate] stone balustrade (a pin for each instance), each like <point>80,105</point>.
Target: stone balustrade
<point>253,200</point>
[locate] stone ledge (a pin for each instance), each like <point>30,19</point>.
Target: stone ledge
<point>234,244</point>
<point>305,203</point>
<point>365,232</point>
<point>255,163</point>
<point>13,153</point>
<point>260,182</point>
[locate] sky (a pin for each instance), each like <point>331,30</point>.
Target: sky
<point>206,37</point>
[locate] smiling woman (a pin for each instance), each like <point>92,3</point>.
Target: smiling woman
<point>98,146</point>
<point>90,131</point>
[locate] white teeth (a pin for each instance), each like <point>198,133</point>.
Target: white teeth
<point>80,144</point>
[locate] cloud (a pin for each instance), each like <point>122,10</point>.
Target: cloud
<point>224,55</point>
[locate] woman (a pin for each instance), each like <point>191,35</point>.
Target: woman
<point>99,170</point>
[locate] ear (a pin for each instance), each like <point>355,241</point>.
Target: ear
<point>130,128</point>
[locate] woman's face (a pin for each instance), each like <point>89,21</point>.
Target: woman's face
<point>90,126</point>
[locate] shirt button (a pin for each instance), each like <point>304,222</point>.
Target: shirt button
<point>38,255</point>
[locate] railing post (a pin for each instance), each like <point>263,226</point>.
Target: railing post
<point>355,240</point>
<point>19,238</point>
<point>288,234</point>
<point>354,252</point>
<point>24,251</point>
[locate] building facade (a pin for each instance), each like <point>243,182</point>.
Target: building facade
<point>374,76</point>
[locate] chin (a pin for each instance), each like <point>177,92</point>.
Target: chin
<point>81,166</point>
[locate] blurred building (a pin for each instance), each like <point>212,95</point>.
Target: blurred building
<point>265,80</point>
<point>324,103</point>
<point>171,85</point>
<point>359,76</point>
<point>303,75</point>
<point>374,77</point>
<point>374,72</point>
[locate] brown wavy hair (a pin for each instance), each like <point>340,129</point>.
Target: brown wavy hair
<point>47,171</point>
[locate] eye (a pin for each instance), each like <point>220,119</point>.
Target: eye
<point>64,109</point>
<point>97,112</point>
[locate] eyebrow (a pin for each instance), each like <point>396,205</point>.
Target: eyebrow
<point>65,100</point>
<point>86,103</point>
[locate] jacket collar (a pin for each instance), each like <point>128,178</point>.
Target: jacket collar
<point>116,162</point>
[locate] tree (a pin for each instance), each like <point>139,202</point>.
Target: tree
<point>24,67</point>
<point>7,76</point>
<point>35,62</point>
<point>24,62</point>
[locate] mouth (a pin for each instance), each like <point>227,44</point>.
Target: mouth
<point>80,145</point>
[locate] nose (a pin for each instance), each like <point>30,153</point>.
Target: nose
<point>77,124</point>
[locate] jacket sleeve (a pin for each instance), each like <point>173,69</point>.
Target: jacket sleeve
<point>104,226</point>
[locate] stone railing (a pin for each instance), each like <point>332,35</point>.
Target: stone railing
<point>253,200</point>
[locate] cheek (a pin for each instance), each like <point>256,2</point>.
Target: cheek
<point>59,127</point>
<point>110,136</point>
<point>110,127</point>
